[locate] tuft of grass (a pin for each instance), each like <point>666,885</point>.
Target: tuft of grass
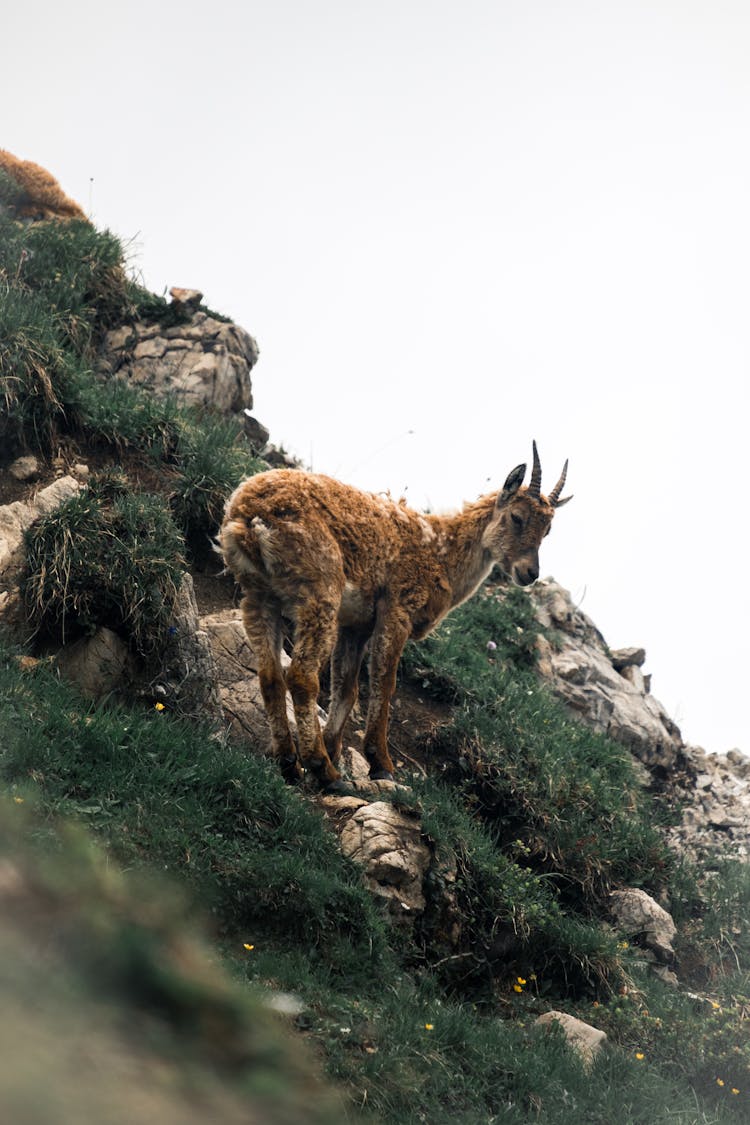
<point>127,418</point>
<point>40,379</point>
<point>106,557</point>
<point>214,457</point>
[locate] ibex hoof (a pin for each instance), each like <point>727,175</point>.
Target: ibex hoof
<point>380,775</point>
<point>338,788</point>
<point>291,770</point>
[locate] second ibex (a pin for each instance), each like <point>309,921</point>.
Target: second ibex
<point>345,567</point>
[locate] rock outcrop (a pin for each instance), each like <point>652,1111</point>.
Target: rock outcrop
<point>188,678</point>
<point>389,846</point>
<point>201,360</point>
<point>608,690</point>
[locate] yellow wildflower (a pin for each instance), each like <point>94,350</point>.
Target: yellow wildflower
<point>639,1055</point>
<point>719,1081</point>
<point>248,947</point>
<point>517,988</point>
<point>18,800</point>
<point>429,1026</point>
<point>735,1090</point>
<point>520,980</point>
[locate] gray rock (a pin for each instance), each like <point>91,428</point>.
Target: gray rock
<point>188,666</point>
<point>205,362</point>
<point>627,658</point>
<point>256,433</point>
<point>97,665</point>
<point>25,468</point>
<point>585,1039</point>
<point>389,846</point>
<point>581,672</point>
<point>640,916</point>
<point>16,518</point>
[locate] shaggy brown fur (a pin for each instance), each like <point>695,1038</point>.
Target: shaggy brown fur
<point>41,195</point>
<point>346,567</point>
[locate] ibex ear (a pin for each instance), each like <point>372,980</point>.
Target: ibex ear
<point>511,486</point>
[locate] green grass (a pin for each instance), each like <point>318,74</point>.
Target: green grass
<point>162,793</point>
<point>213,457</point>
<point>40,378</point>
<point>105,975</point>
<point>555,796</point>
<point>169,793</point>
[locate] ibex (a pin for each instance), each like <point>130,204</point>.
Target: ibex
<point>345,567</point>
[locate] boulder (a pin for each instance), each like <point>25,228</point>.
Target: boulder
<point>585,1039</point>
<point>237,678</point>
<point>97,665</point>
<point>640,917</point>
<point>203,361</point>
<point>389,846</point>
<point>188,674</point>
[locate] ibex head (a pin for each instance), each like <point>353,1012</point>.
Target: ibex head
<point>521,519</point>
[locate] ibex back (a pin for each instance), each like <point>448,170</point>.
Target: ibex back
<point>345,567</point>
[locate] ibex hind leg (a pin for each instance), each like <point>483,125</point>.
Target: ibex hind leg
<point>314,639</point>
<point>263,623</point>
<point>345,665</point>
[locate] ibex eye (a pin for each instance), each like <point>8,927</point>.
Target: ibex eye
<point>517,521</point>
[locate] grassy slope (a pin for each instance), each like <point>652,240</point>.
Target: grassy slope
<point>538,817</point>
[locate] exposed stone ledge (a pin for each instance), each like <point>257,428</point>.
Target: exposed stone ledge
<point>205,361</point>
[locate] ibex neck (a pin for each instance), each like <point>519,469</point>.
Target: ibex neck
<point>467,561</point>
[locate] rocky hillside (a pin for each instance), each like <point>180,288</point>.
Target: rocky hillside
<point>208,362</point>
<point>551,854</point>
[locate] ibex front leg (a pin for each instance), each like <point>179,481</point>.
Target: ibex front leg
<point>392,629</point>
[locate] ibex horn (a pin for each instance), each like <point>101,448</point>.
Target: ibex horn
<point>554,496</point>
<point>535,483</point>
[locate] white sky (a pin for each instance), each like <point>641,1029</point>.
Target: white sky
<point>452,228</point>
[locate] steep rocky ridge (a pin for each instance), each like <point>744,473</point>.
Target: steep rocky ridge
<point>209,667</point>
<point>609,690</point>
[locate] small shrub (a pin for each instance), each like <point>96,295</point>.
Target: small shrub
<point>105,557</point>
<point>510,916</point>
